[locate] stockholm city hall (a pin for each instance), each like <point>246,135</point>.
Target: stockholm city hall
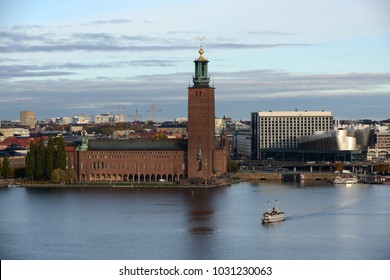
<point>196,159</point>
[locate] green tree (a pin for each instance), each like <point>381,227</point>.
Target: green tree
<point>30,161</point>
<point>232,166</point>
<point>58,176</point>
<point>6,171</point>
<point>40,161</point>
<point>1,169</point>
<point>50,153</point>
<point>60,158</point>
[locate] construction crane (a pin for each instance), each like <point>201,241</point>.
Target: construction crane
<point>153,109</point>
<point>120,109</point>
<point>136,116</point>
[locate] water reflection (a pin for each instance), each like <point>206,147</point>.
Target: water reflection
<point>200,212</point>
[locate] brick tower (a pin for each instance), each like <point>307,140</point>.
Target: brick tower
<point>201,123</point>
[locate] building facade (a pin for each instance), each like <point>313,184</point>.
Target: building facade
<point>382,146</point>
<point>244,142</point>
<point>152,160</point>
<point>281,130</point>
<point>129,160</point>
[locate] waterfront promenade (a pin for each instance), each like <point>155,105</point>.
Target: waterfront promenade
<point>233,178</point>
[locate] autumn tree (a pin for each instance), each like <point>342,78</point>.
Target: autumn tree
<point>58,176</point>
<point>338,166</point>
<point>70,176</point>
<point>382,167</point>
<point>160,136</point>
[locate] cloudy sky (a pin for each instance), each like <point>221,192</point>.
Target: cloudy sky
<point>63,58</point>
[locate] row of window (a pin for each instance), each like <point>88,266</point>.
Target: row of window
<point>293,132</point>
<point>273,129</point>
<point>295,121</point>
<point>295,118</point>
<point>278,146</point>
<point>124,155</point>
<point>100,165</point>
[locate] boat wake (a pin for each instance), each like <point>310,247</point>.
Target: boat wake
<point>322,212</point>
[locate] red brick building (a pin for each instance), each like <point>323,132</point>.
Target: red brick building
<point>151,160</point>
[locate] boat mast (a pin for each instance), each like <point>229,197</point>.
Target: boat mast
<point>269,206</point>
<point>277,205</point>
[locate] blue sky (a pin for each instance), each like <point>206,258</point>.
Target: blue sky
<point>63,58</point>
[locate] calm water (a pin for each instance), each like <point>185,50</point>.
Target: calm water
<point>323,222</point>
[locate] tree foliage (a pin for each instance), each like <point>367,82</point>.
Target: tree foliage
<point>30,161</point>
<point>382,167</point>
<point>70,176</point>
<point>60,159</point>
<point>50,153</point>
<point>338,166</point>
<point>160,136</point>
<point>6,170</point>
<point>232,166</point>
<point>41,161</point>
<point>58,176</point>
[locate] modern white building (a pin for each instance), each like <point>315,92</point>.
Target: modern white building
<point>109,118</point>
<point>282,129</point>
<point>82,119</point>
<point>104,118</point>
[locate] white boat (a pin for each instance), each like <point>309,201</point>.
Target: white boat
<point>13,185</point>
<point>272,216</point>
<point>347,181</point>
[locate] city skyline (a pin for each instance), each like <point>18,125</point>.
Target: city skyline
<point>91,57</point>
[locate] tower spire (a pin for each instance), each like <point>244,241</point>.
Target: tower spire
<point>201,78</point>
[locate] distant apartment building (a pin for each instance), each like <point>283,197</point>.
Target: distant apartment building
<point>109,118</point>
<point>62,120</point>
<point>383,141</point>
<point>13,132</point>
<point>382,146</point>
<point>104,118</point>
<point>82,119</point>
<point>181,120</point>
<point>28,118</point>
<point>281,130</point>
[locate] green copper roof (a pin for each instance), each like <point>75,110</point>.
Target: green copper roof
<point>137,145</point>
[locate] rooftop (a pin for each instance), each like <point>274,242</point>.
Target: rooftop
<point>137,145</point>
